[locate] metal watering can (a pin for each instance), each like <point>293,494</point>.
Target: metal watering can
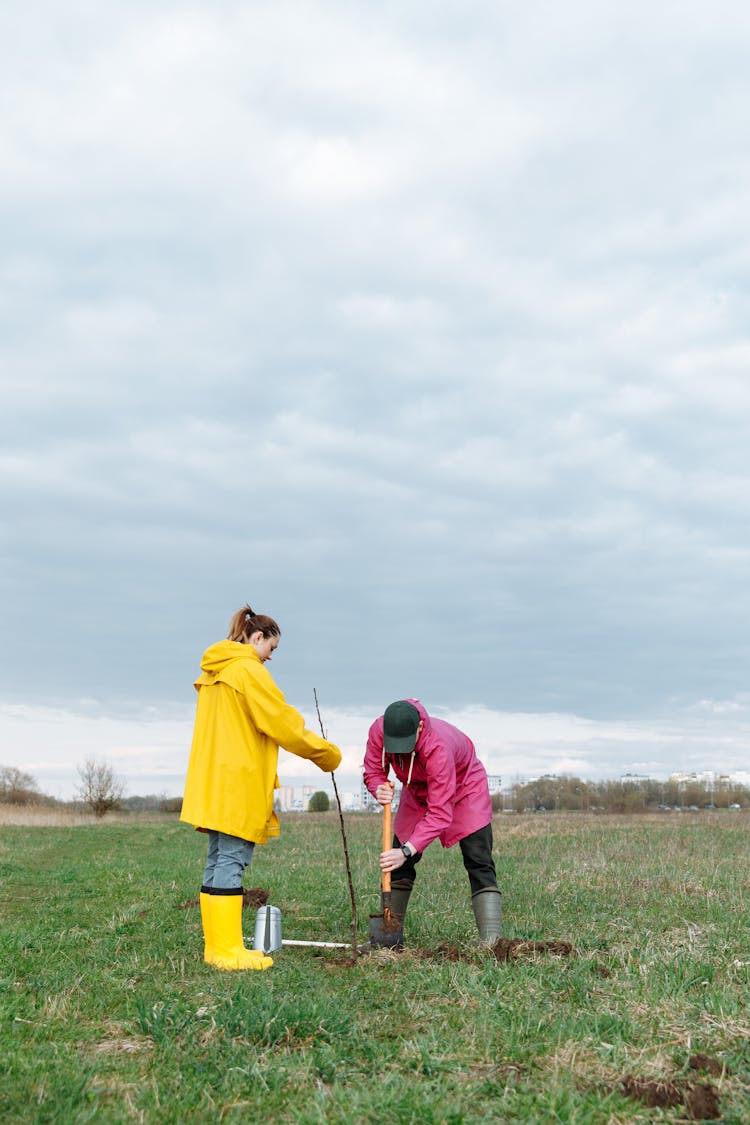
<point>267,929</point>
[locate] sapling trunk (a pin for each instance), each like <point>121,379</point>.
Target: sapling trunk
<point>343,837</point>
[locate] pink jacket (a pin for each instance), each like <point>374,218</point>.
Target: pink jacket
<point>447,797</point>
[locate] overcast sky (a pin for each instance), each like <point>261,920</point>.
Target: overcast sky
<point>423,327</point>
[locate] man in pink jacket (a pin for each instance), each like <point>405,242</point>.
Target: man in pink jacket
<point>445,797</point>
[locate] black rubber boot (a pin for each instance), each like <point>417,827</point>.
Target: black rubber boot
<point>400,892</point>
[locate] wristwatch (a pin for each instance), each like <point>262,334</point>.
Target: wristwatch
<point>407,851</point>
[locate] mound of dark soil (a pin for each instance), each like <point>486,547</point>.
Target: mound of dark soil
<point>254,897</point>
<point>701,1099</point>
<point>705,1062</point>
<point>510,949</point>
<point>702,1102</point>
<point>251,897</point>
<point>657,1093</point>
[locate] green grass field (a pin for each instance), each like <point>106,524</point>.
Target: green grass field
<point>109,1013</point>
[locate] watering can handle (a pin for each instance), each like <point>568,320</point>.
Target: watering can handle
<point>386,875</point>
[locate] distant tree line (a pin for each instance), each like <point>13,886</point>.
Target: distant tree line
<point>101,791</point>
<point>152,802</point>
<point>573,794</point>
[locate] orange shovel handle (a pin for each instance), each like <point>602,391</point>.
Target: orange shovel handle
<point>386,875</point>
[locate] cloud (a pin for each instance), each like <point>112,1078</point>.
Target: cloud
<point>146,750</point>
<point>426,334</point>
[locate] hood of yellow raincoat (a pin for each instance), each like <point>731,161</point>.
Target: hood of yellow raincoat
<point>218,660</point>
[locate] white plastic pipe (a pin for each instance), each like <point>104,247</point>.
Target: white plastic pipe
<point>321,944</point>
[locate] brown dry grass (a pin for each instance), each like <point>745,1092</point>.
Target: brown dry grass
<point>44,816</point>
<point>529,826</point>
<point>532,825</point>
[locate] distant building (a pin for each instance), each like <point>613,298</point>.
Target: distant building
<point>495,782</point>
<point>366,801</point>
<point>289,799</point>
<point>284,800</point>
<point>711,780</point>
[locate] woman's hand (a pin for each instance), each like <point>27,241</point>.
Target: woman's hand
<point>384,793</point>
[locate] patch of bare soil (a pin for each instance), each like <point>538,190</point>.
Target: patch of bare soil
<point>702,1102</point>
<point>701,1099</point>
<point>511,949</point>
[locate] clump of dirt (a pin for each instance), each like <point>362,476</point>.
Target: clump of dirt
<point>251,897</point>
<point>653,1092</point>
<point>255,896</point>
<point>701,1099</point>
<point>705,1062</point>
<point>702,1102</point>
<point>511,949</point>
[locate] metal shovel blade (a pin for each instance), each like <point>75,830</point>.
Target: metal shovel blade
<point>386,929</point>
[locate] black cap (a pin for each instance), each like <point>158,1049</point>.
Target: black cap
<point>400,727</point>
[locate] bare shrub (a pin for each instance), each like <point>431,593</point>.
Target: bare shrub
<point>100,787</point>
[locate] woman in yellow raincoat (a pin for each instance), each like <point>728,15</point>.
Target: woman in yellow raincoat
<point>241,720</point>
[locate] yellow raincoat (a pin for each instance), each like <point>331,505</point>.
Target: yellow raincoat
<point>242,718</point>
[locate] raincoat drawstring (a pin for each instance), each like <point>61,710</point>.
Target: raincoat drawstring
<point>411,763</point>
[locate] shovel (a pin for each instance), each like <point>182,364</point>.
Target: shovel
<point>386,929</point>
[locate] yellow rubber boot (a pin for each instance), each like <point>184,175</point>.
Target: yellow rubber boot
<point>225,926</point>
<point>208,942</point>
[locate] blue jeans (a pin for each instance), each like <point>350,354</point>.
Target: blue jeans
<point>227,858</point>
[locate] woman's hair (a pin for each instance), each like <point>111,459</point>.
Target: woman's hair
<point>246,622</point>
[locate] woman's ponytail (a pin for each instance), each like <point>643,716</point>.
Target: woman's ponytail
<point>246,621</point>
